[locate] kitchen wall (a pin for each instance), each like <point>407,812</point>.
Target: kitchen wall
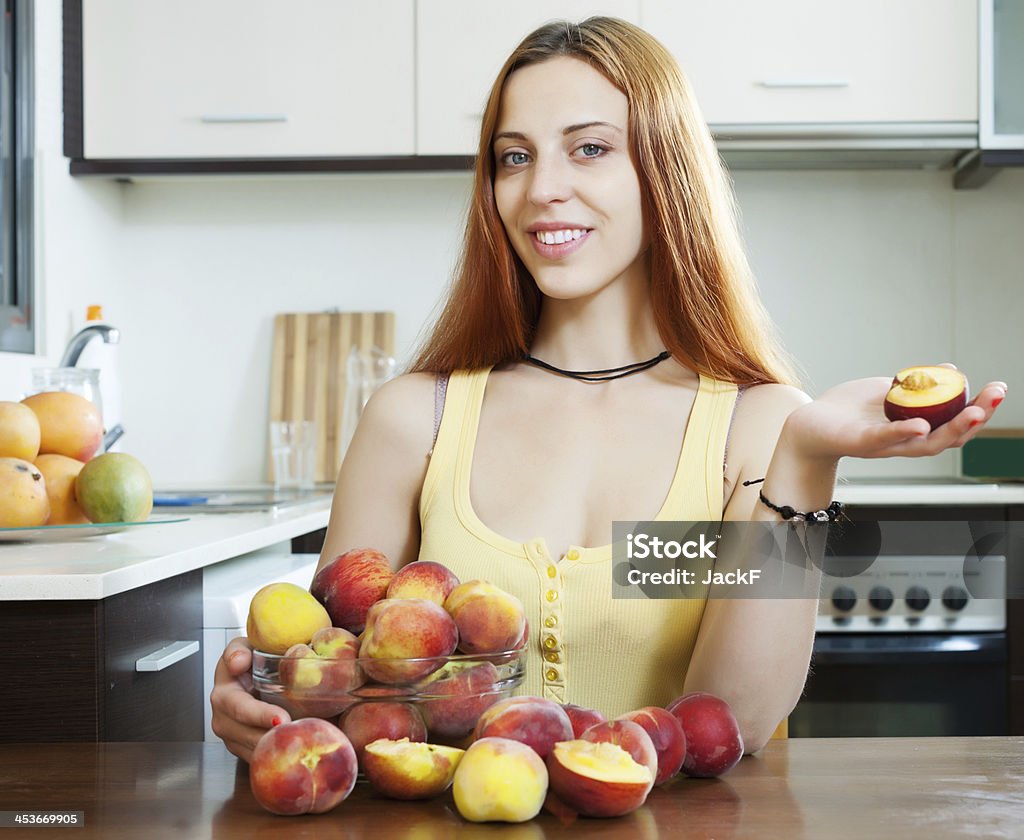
<point>865,272</point>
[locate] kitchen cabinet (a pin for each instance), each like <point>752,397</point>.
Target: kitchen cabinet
<point>242,79</point>
<point>804,61</point>
<point>461,45</point>
<point>70,666</point>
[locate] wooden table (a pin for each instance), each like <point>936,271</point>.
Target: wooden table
<point>825,788</point>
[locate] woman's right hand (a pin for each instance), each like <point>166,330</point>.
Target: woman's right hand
<point>239,719</point>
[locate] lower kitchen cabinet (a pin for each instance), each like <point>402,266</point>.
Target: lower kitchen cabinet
<point>71,668</point>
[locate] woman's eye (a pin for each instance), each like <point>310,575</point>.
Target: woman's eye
<point>591,150</point>
<point>514,158</point>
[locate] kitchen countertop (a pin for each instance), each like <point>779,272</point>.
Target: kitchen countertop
<point>100,566</point>
<point>816,788</point>
<point>927,491</point>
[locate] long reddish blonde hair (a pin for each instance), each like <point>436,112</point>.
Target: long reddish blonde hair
<point>706,306</point>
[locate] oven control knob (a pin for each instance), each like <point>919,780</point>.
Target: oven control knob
<point>844,598</point>
<point>954,598</point>
<point>918,598</point>
<point>880,597</point>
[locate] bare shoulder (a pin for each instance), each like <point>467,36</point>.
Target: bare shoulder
<point>762,403</point>
<point>403,410</point>
<point>761,413</point>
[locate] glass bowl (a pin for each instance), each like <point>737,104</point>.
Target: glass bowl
<point>450,692</point>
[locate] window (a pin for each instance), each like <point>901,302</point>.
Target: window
<point>17,318</point>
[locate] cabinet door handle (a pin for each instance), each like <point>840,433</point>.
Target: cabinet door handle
<point>243,118</point>
<point>803,83</point>
<point>166,656</point>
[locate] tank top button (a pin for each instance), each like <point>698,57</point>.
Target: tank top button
<point>551,621</point>
<point>573,554</point>
<point>552,571</point>
<point>551,657</point>
<point>551,674</point>
<point>551,643</point>
<point>551,595</point>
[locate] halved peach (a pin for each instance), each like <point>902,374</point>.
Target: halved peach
<point>934,393</point>
<point>405,769</point>
<point>598,779</point>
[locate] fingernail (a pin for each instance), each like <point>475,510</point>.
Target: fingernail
<point>997,400</point>
<point>276,721</point>
<point>235,657</point>
<point>974,423</point>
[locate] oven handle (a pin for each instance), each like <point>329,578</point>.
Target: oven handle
<point>877,649</point>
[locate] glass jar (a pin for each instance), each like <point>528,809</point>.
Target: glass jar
<point>82,381</point>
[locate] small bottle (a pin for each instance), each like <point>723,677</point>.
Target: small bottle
<point>102,356</point>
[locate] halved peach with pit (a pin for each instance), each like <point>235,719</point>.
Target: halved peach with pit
<point>934,393</point>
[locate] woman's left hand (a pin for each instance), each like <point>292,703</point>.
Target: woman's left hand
<point>849,420</point>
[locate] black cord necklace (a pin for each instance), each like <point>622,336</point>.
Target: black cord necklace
<point>601,375</point>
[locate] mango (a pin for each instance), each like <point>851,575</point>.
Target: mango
<point>23,499</point>
<point>19,431</point>
<point>69,424</point>
<point>59,473</point>
<point>115,487</point>
<point>282,615</point>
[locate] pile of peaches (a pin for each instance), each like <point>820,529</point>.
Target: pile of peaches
<point>418,701</point>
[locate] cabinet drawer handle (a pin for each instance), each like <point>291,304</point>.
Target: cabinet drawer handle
<point>243,118</point>
<point>166,656</point>
<point>803,83</point>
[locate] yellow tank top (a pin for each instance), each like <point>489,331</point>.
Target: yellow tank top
<point>584,647</point>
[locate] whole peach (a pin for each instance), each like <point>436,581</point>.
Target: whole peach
<point>423,579</point>
<point>350,584</point>
<point>489,619</point>
<point>282,615</point>
<point>713,741</point>
<point>375,719</point>
<point>405,639</point>
<point>500,780</point>
<point>472,690</point>
<point>535,721</point>
<point>582,718</point>
<point>319,676</point>
<point>306,766</point>
<point>667,736</point>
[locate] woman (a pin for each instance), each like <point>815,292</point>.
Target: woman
<point>601,328</point>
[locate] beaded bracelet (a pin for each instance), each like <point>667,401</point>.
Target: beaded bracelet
<point>829,514</point>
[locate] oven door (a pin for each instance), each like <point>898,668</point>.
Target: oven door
<point>904,685</point>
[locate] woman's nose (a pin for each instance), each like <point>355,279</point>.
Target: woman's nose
<point>550,180</point>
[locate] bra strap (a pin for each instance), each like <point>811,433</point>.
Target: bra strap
<point>440,389</point>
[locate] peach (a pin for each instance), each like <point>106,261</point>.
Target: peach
<point>318,677</point>
<point>598,779</point>
<point>304,767</point>
<point>489,619</point>
<point>376,719</point>
<point>19,431</point>
<point>23,499</point>
<point>666,734</point>
<point>404,637</point>
<point>405,769</point>
<point>582,718</point>
<point>500,780</point>
<point>935,393</point>
<point>535,721</point>
<point>423,579</point>
<point>350,583</point>
<point>632,737</point>
<point>68,424</point>
<point>713,741</point>
<point>59,473</point>
<point>472,689</point>
<point>282,615</point>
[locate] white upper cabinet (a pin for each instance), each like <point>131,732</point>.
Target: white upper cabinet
<point>461,45</point>
<point>824,61</point>
<point>247,78</point>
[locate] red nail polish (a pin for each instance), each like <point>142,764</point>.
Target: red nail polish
<point>974,423</point>
<point>276,721</point>
<point>997,400</point>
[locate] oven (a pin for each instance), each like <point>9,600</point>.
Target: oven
<point>911,633</point>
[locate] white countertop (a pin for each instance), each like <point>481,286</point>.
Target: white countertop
<point>100,566</point>
<point>927,492</point>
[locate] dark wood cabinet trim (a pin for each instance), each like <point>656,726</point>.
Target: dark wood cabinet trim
<point>74,144</point>
<point>254,166</point>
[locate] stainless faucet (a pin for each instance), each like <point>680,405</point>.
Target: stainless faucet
<point>82,337</point>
